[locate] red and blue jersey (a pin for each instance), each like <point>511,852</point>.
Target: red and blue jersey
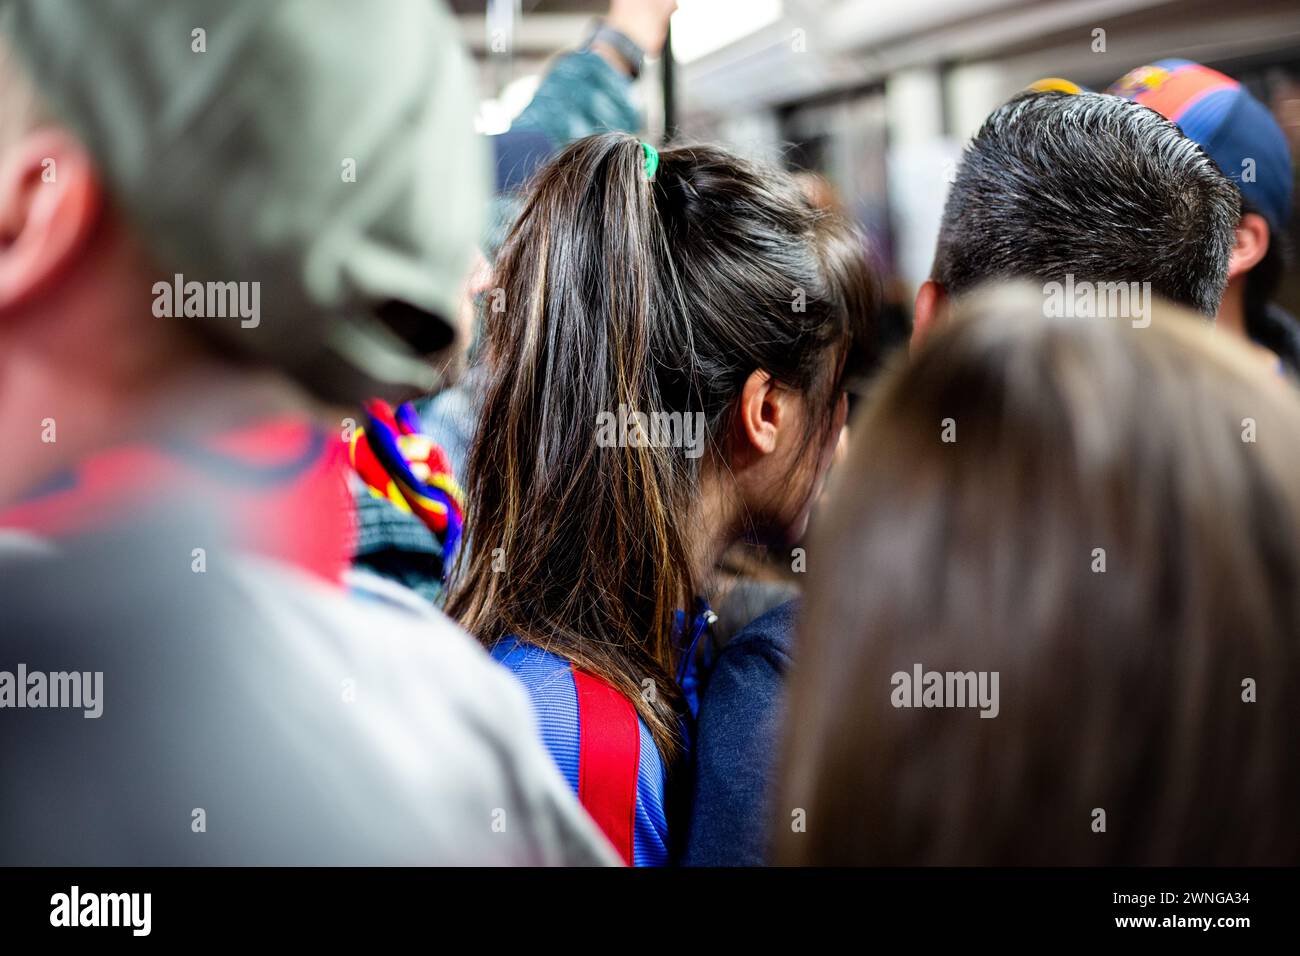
<point>615,769</point>
<point>603,748</point>
<point>278,486</point>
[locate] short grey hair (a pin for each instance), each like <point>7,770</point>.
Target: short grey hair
<point>1091,185</point>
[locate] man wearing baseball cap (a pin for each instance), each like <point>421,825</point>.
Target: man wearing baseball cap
<point>1240,134</point>
<point>222,226</point>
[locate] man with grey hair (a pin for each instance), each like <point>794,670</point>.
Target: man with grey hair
<point>221,226</point>
<point>1086,193</point>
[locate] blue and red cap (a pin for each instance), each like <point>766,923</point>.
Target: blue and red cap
<point>1236,130</point>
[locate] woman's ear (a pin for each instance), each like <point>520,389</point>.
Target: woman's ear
<point>50,203</point>
<point>1252,239</point>
<point>761,412</point>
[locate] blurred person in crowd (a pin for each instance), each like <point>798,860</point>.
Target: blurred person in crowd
<point>589,90</point>
<point>583,92</point>
<point>1054,615</point>
<point>1091,194</point>
<point>1240,134</point>
<point>220,227</point>
<point>667,377</point>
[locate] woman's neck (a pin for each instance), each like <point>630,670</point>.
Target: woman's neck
<point>714,525</point>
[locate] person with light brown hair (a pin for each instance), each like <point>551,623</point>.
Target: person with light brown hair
<point>1053,609</point>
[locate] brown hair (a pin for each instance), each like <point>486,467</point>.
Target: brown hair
<point>1114,531</point>
<point>661,295</point>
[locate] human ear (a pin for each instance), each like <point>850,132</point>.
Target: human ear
<point>1251,245</point>
<point>50,203</point>
<point>929,313</point>
<point>760,412</point>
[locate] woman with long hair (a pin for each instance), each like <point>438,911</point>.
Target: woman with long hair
<point>669,341</point>
<point>1053,606</point>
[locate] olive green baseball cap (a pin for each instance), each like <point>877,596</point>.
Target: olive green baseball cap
<point>322,149</point>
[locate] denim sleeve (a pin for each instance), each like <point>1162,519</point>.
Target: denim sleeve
<point>737,742</point>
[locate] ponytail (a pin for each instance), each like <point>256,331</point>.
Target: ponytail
<point>634,283</point>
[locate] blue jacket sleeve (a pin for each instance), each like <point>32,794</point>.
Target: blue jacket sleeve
<point>737,744</point>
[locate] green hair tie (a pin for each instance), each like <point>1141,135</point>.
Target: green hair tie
<point>651,160</point>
